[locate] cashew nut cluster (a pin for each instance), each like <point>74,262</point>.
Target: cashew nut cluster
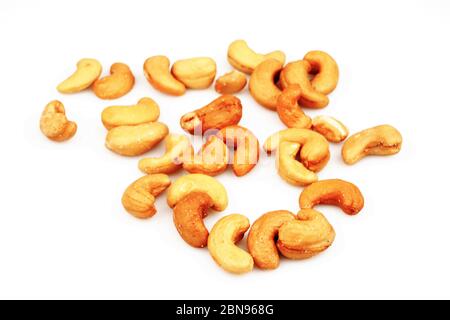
<point>88,71</point>
<point>116,85</point>
<point>54,124</point>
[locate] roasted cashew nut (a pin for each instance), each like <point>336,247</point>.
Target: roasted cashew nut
<point>222,244</point>
<point>290,169</point>
<point>116,85</point>
<point>325,70</point>
<point>195,73</point>
<point>332,129</point>
<point>88,70</point>
<point>382,140</point>
<point>289,111</point>
<point>230,83</point>
<point>157,72</point>
<point>139,198</point>
<point>54,124</point>
<point>263,86</point>
<point>211,160</point>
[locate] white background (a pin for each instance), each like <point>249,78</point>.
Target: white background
<point>63,232</point>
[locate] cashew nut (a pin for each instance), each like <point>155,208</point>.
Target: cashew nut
<point>211,160</point>
<point>332,129</point>
<point>262,83</point>
<point>335,192</point>
<point>195,73</point>
<point>157,72</point>
<point>222,244</point>
<point>246,60</point>
<point>116,85</point>
<point>325,70</point>
<point>54,124</point>
<point>231,82</point>
<point>289,168</point>
<point>289,111</point>
<point>382,140</point>
<point>139,198</point>
<point>88,70</point>
<point>136,140</point>
<point>145,111</point>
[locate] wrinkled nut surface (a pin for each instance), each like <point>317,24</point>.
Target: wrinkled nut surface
<point>246,145</point>
<point>54,124</point>
<point>332,129</point>
<point>222,112</point>
<point>290,169</point>
<point>246,60</point>
<point>222,244</point>
<point>230,83</point>
<point>116,85</point>
<point>136,140</point>
<point>382,140</point>
<point>88,70</point>
<point>139,197</point>
<point>261,240</point>
<point>211,160</point>
<point>289,111</point>
<point>195,73</point>
<point>178,148</point>
<point>145,111</point>
<point>325,71</point>
<point>336,192</point>
<point>262,84</point>
<point>157,72</point>
<point>306,237</point>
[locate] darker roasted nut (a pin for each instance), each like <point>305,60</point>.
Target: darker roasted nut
<point>289,111</point>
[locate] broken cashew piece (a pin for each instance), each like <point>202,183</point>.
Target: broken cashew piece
<point>230,83</point>
<point>262,83</point>
<point>116,85</point>
<point>289,111</point>
<point>195,73</point>
<point>54,124</point>
<point>157,72</point>
<point>211,160</point>
<point>332,129</point>
<point>222,244</point>
<point>139,197</point>
<point>88,70</point>
<point>290,169</point>
<point>325,71</point>
<point>382,140</point>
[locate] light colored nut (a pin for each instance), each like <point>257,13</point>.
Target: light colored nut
<point>54,124</point>
<point>290,169</point>
<point>88,70</point>
<point>306,237</point>
<point>139,197</point>
<point>157,72</point>
<point>136,140</point>
<point>333,130</point>
<point>336,192</point>
<point>298,73</point>
<point>222,244</point>
<point>211,160</point>
<point>231,82</point>
<point>116,85</point>
<point>178,148</point>
<point>382,140</point>
<point>222,112</point>
<point>246,60</point>
<point>262,83</point>
<point>289,111</point>
<point>325,70</point>
<point>145,111</point>
<point>261,240</point>
<point>195,73</point>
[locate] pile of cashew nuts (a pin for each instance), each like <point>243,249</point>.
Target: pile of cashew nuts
<point>302,150</point>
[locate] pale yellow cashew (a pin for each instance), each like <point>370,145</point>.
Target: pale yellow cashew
<point>325,70</point>
<point>262,83</point>
<point>231,82</point>
<point>157,72</point>
<point>88,70</point>
<point>54,123</point>
<point>195,73</point>
<point>290,169</point>
<point>332,129</point>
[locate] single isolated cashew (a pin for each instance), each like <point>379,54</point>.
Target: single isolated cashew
<point>289,111</point>
<point>145,111</point>
<point>246,60</point>
<point>382,140</point>
<point>116,85</point>
<point>195,73</point>
<point>332,129</point>
<point>139,197</point>
<point>230,83</point>
<point>178,148</point>
<point>136,140</point>
<point>157,72</point>
<point>262,84</point>
<point>325,71</point>
<point>88,70</point>
<point>222,244</point>
<point>211,160</point>
<point>222,112</point>
<point>54,124</point>
<point>336,192</point>
<point>290,169</point>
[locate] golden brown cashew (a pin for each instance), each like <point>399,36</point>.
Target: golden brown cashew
<point>222,244</point>
<point>116,85</point>
<point>88,70</point>
<point>332,129</point>
<point>54,124</point>
<point>157,72</point>
<point>139,198</point>
<point>211,160</point>
<point>306,237</point>
<point>145,111</point>
<point>262,83</point>
<point>246,60</point>
<point>383,140</point>
<point>262,237</point>
<point>335,192</point>
<point>325,69</point>
<point>231,82</point>
<point>289,111</point>
<point>289,168</point>
<point>195,73</point>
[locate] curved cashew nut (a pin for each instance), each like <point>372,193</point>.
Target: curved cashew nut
<point>381,140</point>
<point>325,69</point>
<point>246,60</point>
<point>332,129</point>
<point>157,72</point>
<point>54,124</point>
<point>222,244</point>
<point>231,82</point>
<point>211,160</point>
<point>290,169</point>
<point>88,70</point>
<point>116,85</point>
<point>262,83</point>
<point>195,73</point>
<point>145,111</point>
<point>289,111</point>
<point>139,197</point>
